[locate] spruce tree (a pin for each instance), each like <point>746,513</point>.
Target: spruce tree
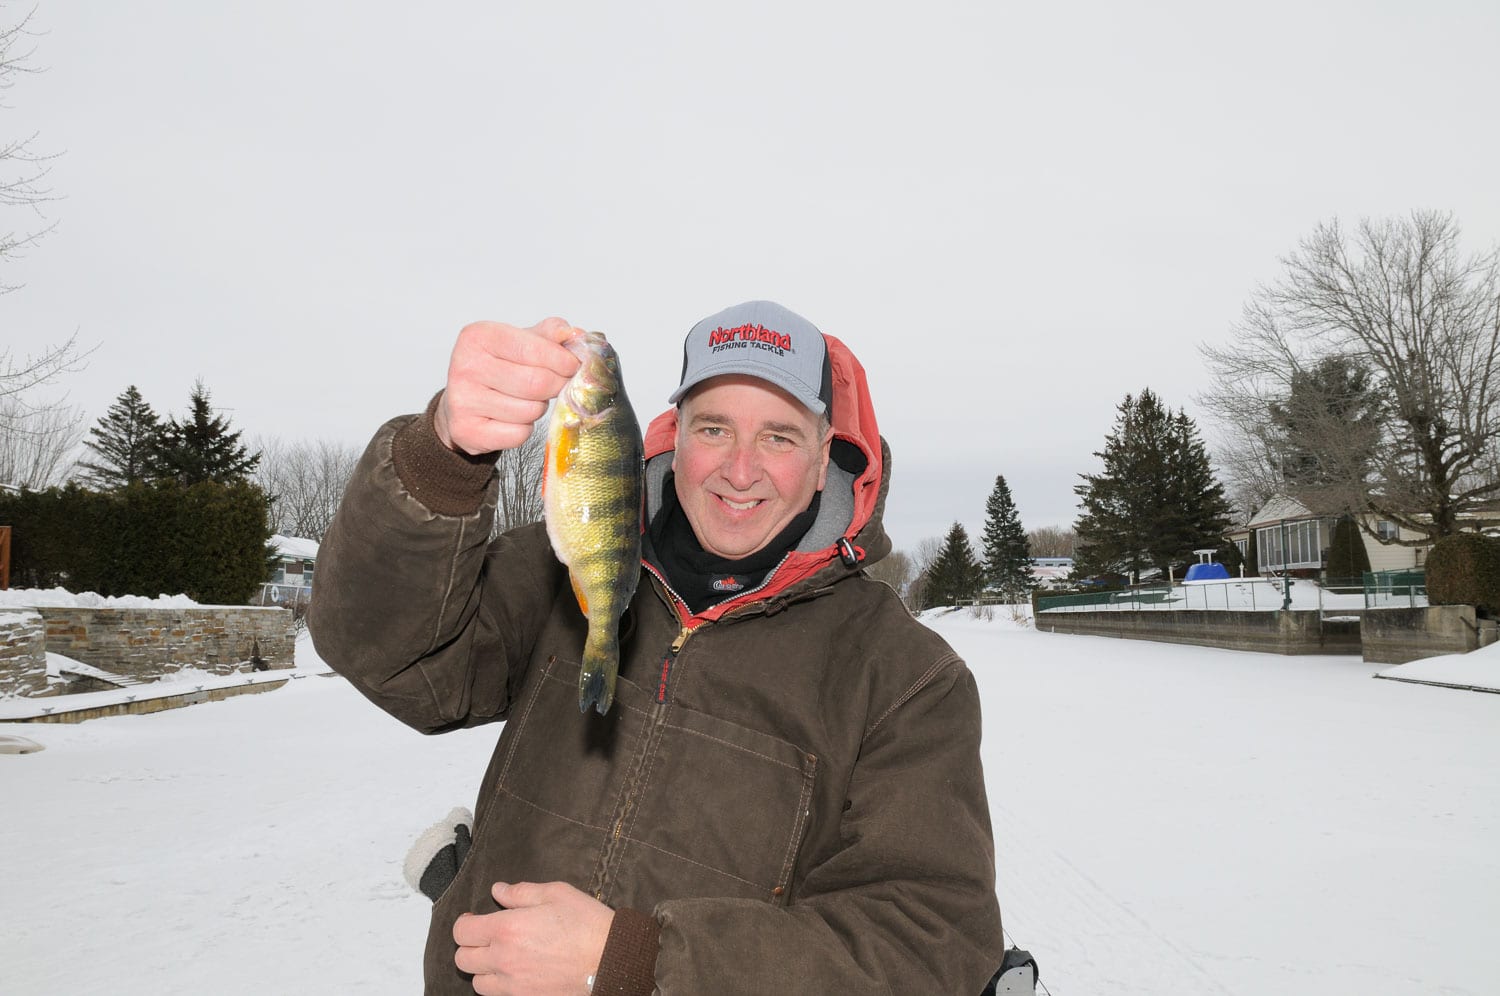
<point>1347,556</point>
<point>201,448</point>
<point>1007,551</point>
<point>1156,500</point>
<point>1325,431</point>
<point>955,574</point>
<point>124,440</point>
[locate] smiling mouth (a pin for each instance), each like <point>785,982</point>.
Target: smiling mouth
<point>740,506</point>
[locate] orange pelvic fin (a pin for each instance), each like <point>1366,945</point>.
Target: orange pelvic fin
<point>583,602</point>
<point>562,456</point>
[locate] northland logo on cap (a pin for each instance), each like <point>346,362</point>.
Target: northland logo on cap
<point>758,336</point>
<point>764,340</point>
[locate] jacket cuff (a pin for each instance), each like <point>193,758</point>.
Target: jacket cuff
<point>444,481</point>
<point>628,965</point>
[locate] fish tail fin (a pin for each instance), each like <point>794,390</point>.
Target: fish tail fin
<point>596,680</point>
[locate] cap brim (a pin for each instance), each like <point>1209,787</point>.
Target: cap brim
<point>806,396</point>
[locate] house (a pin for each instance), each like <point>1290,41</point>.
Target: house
<point>1289,537</point>
<point>1051,572</point>
<point>292,577</point>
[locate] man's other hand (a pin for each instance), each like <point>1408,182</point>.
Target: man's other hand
<point>545,941</point>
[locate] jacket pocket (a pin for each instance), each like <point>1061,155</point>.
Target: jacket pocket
<point>721,811</point>
<point>564,764</point>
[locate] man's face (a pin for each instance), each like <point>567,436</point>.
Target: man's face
<point>749,458</point>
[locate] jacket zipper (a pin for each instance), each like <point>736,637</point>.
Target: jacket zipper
<point>654,722</point>
<point>658,714</point>
<point>668,661</point>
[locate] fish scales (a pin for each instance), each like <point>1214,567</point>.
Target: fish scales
<point>592,504</point>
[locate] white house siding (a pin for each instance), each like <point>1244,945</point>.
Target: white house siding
<point>1392,556</point>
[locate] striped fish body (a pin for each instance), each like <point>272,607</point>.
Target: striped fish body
<point>591,499</point>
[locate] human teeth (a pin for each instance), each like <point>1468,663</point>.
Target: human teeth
<point>740,505</point>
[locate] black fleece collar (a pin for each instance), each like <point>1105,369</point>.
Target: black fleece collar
<point>703,579</point>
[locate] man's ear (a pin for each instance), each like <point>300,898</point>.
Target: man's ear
<point>827,453</point>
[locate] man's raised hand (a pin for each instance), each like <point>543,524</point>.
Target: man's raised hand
<point>500,379</point>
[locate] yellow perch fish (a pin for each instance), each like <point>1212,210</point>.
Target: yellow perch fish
<point>591,497</point>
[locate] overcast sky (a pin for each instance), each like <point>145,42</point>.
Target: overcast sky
<point>1013,213</point>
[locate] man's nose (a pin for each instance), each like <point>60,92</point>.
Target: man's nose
<point>741,465</point>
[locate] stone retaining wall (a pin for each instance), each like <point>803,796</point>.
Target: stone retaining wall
<point>142,643</point>
<point>1396,636</point>
<point>1279,632</point>
<point>23,653</point>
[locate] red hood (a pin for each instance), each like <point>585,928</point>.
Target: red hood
<point>854,423</point>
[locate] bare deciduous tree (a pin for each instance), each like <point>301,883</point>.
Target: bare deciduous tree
<point>895,569</point>
<point>305,481</point>
<point>19,375</point>
<point>1399,299</point>
<point>922,559</point>
<point>23,170</point>
<point>1051,541</point>
<point>37,446</point>
<point>36,438</point>
<point>520,474</point>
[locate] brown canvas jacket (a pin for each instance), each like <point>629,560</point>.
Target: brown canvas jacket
<point>789,784</point>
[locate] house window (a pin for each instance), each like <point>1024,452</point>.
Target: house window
<point>1385,529</point>
<point>1268,546</point>
<point>1304,545</point>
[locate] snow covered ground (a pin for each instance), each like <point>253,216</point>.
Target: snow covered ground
<point>1169,820</point>
<point>16,598</point>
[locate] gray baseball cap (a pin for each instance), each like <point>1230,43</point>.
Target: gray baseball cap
<point>764,340</point>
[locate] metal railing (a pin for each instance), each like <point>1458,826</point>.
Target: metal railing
<point>1395,589</point>
<point>1229,595</point>
<point>285,595</point>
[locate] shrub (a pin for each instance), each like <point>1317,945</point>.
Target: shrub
<point>1347,556</point>
<point>1464,569</point>
<point>207,540</point>
<point>1229,555</point>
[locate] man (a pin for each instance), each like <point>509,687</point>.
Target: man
<point>786,796</point>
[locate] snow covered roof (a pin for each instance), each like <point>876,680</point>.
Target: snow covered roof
<point>1278,508</point>
<point>295,548</point>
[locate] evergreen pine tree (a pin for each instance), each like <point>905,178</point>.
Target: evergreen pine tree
<point>1347,556</point>
<point>201,448</point>
<point>1156,499</point>
<point>1229,555</point>
<point>1007,551</point>
<point>1326,430</point>
<point>955,574</point>
<point>124,439</point>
